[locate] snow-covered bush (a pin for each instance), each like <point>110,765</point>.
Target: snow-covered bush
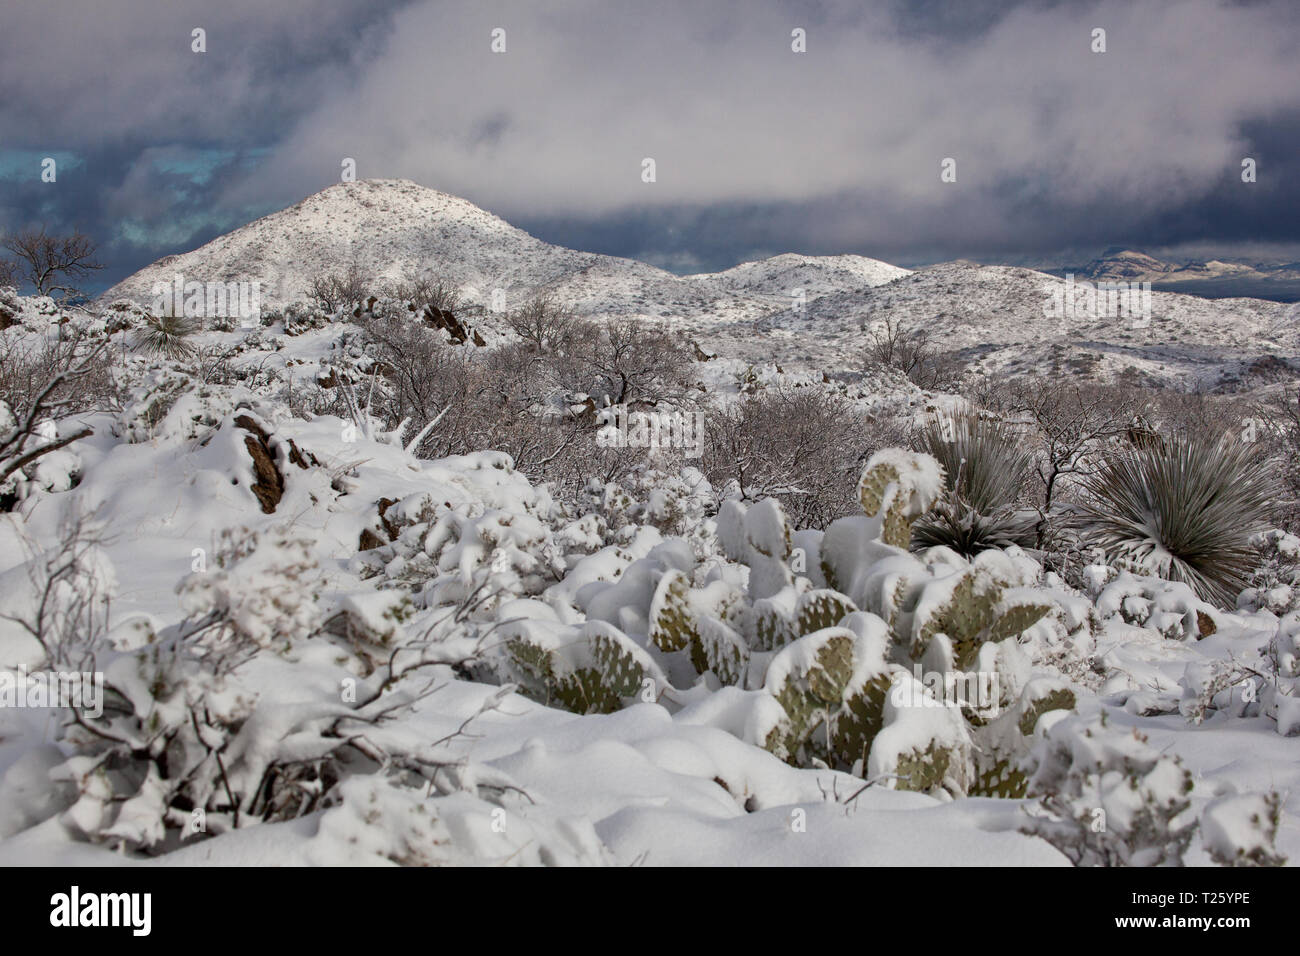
<point>183,745</point>
<point>1280,694</point>
<point>1241,829</point>
<point>1105,797</point>
<point>1275,581</point>
<point>1171,608</point>
<point>263,592</point>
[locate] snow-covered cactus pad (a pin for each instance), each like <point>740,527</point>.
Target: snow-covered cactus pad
<point>831,687</point>
<point>897,487</point>
<point>672,622</point>
<point>595,671</point>
<point>820,608</point>
<point>974,606</point>
<point>1002,744</point>
<point>758,536</point>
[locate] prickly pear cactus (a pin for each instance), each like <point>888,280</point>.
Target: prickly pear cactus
<point>769,625</point>
<point>860,718</point>
<point>819,609</point>
<point>759,536</point>
<point>822,657</point>
<point>533,668</point>
<point>672,621</point>
<point>898,487</point>
<point>595,674</point>
<point>1002,744</point>
<point>923,745</point>
<point>972,607</point>
<point>831,686</point>
<point>928,770</point>
<point>721,651</point>
<point>808,679</point>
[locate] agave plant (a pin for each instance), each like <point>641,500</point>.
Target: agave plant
<point>954,523</point>
<point>1183,509</point>
<point>985,467</point>
<point>166,336</point>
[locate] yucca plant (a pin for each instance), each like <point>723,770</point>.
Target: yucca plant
<point>1183,509</point>
<point>167,336</point>
<point>985,466</point>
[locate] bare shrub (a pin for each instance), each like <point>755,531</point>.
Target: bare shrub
<point>68,610</point>
<point>1274,422</point>
<point>804,447</point>
<point>623,360</point>
<point>40,384</point>
<point>213,366</point>
<point>427,291</point>
<point>423,380</point>
<point>75,383</point>
<point>1070,424</point>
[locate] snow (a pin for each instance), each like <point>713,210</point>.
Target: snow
<point>315,626</point>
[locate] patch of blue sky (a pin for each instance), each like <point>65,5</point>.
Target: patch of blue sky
<point>199,165</point>
<point>20,164</point>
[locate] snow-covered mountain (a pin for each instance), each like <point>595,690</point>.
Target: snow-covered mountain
<point>396,228</point>
<point>389,228</point>
<point>807,313</point>
<point>780,275</point>
<point>1134,266</point>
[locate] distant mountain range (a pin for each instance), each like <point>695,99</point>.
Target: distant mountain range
<point>1213,277</point>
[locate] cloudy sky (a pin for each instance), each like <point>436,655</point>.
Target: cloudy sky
<point>1059,151</point>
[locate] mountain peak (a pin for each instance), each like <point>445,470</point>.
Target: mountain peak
<point>389,228</point>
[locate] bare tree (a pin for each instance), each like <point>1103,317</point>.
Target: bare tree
<point>626,360</point>
<point>912,352</point>
<point>49,263</point>
<point>25,426</point>
<point>426,291</point>
<point>339,290</point>
<point>543,325</point>
<point>1071,424</point>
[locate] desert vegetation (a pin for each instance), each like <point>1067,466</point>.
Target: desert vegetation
<point>793,562</point>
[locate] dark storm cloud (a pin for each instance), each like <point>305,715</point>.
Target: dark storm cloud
<point>159,132</point>
<point>758,149</point>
